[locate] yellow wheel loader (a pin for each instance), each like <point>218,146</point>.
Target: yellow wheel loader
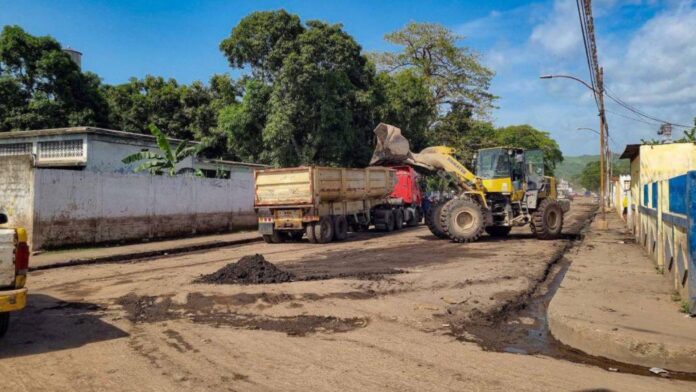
<point>509,189</point>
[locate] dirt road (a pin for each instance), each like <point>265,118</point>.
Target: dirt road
<point>376,312</point>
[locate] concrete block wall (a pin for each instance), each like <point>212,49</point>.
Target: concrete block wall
<point>63,208</point>
<point>667,215</point>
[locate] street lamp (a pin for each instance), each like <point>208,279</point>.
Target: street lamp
<point>602,133</point>
<point>588,129</point>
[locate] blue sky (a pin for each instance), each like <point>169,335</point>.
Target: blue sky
<point>648,49</point>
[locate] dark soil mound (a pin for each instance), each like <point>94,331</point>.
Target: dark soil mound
<point>248,270</point>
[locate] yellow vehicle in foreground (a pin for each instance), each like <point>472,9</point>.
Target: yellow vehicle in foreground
<point>509,189</point>
<point>14,263</point>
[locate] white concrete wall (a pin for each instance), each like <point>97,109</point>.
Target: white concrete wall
<point>84,207</point>
<point>16,191</point>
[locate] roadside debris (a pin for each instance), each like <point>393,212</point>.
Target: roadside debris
<point>248,270</point>
<point>659,371</point>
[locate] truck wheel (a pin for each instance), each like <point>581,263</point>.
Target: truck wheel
<point>388,221</point>
<point>498,231</point>
<point>433,220</point>
<point>462,220</point>
<point>275,238</point>
<point>323,230</point>
<point>296,235</point>
<point>4,323</point>
<point>340,227</point>
<point>309,230</point>
<point>398,219</point>
<point>414,219</point>
<point>547,220</point>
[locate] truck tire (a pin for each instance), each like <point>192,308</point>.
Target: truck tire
<point>324,230</point>
<point>414,219</point>
<point>309,230</point>
<point>340,227</point>
<point>433,220</point>
<point>389,222</point>
<point>398,219</point>
<point>275,238</point>
<point>296,236</point>
<point>462,220</point>
<point>4,323</point>
<point>547,220</point>
<point>498,231</point>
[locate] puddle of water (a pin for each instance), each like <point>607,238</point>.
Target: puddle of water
<point>527,332</point>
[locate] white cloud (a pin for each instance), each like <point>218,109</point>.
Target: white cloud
<point>559,34</point>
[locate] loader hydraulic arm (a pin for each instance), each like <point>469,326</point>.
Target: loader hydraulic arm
<point>442,158</point>
<point>391,147</point>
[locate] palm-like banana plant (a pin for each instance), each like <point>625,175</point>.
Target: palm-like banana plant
<point>164,161</point>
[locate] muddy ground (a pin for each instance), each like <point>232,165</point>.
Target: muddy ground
<point>377,312</point>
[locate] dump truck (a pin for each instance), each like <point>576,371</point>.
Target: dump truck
<point>324,203</point>
<point>14,263</point>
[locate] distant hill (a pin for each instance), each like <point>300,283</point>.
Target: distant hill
<point>571,167</point>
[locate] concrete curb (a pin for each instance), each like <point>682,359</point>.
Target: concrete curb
<point>590,339</point>
<point>145,254</point>
<point>612,304</point>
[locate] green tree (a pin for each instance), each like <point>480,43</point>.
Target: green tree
<point>589,178</point>
<point>459,130</point>
<point>262,40</point>
<point>165,161</point>
<point>242,123</point>
<point>526,136</point>
<point>309,98</point>
<point>454,73</point>
<point>405,100</point>
<point>41,87</point>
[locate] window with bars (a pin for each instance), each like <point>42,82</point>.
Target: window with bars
<point>13,149</point>
<point>60,149</point>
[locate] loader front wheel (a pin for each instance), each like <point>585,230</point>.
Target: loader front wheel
<point>547,220</point>
<point>433,219</point>
<point>462,220</point>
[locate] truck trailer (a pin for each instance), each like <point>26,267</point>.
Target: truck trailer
<point>324,203</point>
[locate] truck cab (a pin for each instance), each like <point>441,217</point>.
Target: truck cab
<point>14,263</point>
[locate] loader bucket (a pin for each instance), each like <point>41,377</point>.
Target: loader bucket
<point>391,147</point>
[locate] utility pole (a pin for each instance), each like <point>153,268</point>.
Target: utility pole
<point>602,148</point>
<point>597,74</point>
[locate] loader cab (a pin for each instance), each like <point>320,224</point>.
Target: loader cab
<point>501,169</point>
<point>510,170</point>
<point>534,168</point>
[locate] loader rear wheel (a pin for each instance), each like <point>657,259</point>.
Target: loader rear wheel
<point>324,230</point>
<point>4,323</point>
<point>434,220</point>
<point>398,219</point>
<point>340,227</point>
<point>547,220</point>
<point>462,220</point>
<point>498,231</point>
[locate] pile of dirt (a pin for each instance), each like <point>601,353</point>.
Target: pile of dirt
<point>248,270</point>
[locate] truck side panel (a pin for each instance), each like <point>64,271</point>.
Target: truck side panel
<point>7,249</point>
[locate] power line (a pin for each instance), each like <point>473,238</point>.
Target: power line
<point>632,118</point>
<point>583,31</point>
<point>642,114</point>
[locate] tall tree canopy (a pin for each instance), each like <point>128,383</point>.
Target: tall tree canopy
<point>526,136</point>
<point>41,87</point>
<point>454,73</point>
<point>313,109</point>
